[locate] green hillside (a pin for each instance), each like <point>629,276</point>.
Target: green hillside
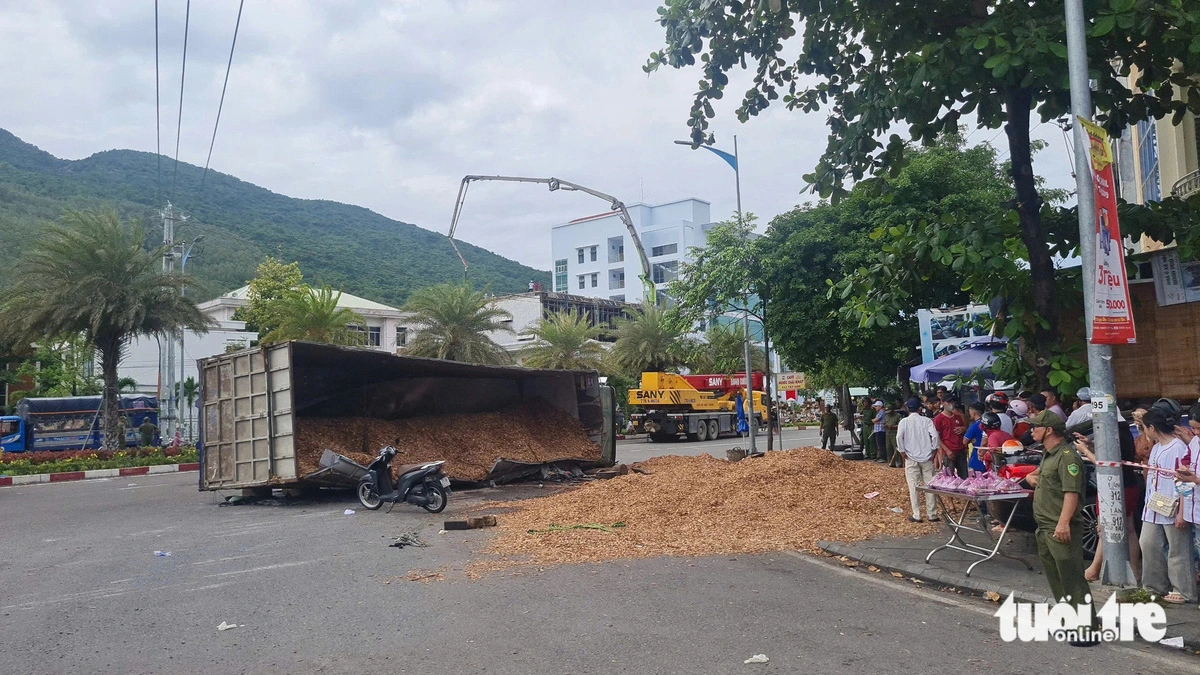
<point>348,247</point>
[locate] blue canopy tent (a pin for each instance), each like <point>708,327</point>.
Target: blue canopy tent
<point>976,355</point>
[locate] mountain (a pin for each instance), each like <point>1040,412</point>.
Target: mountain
<point>347,247</point>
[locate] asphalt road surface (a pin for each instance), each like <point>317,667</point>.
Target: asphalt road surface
<point>316,591</point>
<point>635,449</point>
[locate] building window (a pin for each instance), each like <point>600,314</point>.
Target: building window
<point>664,272</point>
<point>594,254</point>
<point>616,279</point>
<point>581,282</point>
<point>560,275</point>
<point>618,298</point>
<point>374,336</point>
<point>1148,160</point>
<point>665,249</point>
<point>595,279</point>
<point>580,252</point>
<point>401,336</point>
<point>616,250</point>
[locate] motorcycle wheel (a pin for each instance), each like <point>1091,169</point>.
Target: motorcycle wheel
<point>435,498</point>
<point>367,496</point>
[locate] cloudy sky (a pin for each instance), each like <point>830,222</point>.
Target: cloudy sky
<point>387,104</point>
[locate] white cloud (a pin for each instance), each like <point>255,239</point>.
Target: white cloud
<point>388,104</point>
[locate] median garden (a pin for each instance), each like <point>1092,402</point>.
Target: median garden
<point>28,463</point>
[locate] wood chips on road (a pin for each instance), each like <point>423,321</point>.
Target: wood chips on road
<point>470,443</point>
<point>693,506</point>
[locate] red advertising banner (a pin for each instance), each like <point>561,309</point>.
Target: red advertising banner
<point>1112,315</point>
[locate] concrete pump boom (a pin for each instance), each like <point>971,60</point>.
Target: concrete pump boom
<point>650,293</point>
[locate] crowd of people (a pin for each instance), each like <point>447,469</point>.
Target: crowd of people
<point>1162,505</point>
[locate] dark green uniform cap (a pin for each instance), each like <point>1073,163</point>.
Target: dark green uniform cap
<point>1047,418</point>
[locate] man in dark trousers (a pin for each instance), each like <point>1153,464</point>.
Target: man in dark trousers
<point>829,427</point>
<point>1059,483</point>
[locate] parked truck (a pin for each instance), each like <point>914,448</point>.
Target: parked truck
<point>254,401</point>
<point>700,407</point>
<point>71,423</point>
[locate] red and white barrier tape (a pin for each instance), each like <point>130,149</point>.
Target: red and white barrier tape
<point>1136,465</point>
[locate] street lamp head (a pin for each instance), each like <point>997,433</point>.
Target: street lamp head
<point>198,238</point>
<point>683,142</point>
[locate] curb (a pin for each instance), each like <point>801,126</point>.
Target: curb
<point>937,576</point>
<point>97,473</point>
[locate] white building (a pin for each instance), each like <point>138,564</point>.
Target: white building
<point>527,309</point>
<point>594,257</point>
<point>386,330</point>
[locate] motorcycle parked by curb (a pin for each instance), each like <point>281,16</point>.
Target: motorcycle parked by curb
<point>424,485</point>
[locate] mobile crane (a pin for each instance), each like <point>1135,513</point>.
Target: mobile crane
<point>701,407</point>
<point>650,294</point>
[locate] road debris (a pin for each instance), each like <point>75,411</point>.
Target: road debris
<point>757,658</point>
<point>408,539</point>
<point>1176,642</point>
<point>898,575</point>
<point>471,523</point>
<point>896,509</point>
<point>162,554</point>
<point>226,626</point>
<point>691,506</point>
<point>871,495</point>
<point>348,512</point>
<point>992,595</point>
<point>424,576</point>
<point>470,443</point>
<point>555,527</point>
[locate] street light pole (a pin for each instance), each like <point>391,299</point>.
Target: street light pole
<point>1116,569</point>
<point>187,254</point>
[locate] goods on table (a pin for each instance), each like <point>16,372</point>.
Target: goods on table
<point>976,483</point>
<point>470,443</point>
<point>688,506</point>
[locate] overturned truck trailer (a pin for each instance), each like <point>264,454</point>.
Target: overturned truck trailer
<point>269,412</point>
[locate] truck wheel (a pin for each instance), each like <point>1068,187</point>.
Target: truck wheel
<point>702,430</point>
<point>713,430</point>
<point>367,496</point>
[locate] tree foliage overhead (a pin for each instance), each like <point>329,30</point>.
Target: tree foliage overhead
<point>927,65</point>
<point>723,350</point>
<point>565,341</point>
<point>453,322</point>
<point>91,275</point>
<point>722,274</point>
<point>273,283</point>
<point>345,246</point>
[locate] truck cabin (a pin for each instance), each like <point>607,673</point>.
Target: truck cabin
<point>12,434</point>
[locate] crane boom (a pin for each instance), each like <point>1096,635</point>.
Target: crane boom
<point>554,184</point>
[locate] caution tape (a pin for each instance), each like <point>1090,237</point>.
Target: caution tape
<point>1136,466</point>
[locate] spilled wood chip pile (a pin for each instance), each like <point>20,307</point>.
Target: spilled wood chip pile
<point>691,506</point>
<point>470,443</point>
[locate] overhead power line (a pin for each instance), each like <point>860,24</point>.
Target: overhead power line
<point>182,74</point>
<point>157,115</point>
<point>237,24</point>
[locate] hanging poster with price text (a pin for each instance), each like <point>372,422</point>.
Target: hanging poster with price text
<point>1112,315</point>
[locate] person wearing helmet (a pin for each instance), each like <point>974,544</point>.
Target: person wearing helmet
<point>1020,411</point>
<point>996,435</point>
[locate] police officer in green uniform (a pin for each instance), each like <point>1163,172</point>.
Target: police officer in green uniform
<point>1059,488</point>
<point>829,428</point>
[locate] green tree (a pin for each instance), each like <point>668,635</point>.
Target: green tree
<point>650,340</point>
<point>274,283</point>
<point>452,322</point>
<point>61,367</point>
<point>565,341</point>
<point>313,314</point>
<point>928,65</point>
<point>90,274</point>
<point>127,385</point>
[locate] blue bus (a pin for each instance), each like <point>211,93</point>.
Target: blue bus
<point>71,423</point>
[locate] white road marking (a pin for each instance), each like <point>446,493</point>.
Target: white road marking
<point>217,560</point>
<point>264,568</point>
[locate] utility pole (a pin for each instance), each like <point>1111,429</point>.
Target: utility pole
<point>1116,569</point>
<point>170,217</point>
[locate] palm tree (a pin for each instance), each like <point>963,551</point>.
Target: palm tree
<point>313,314</point>
<point>127,385</point>
<point>651,340</point>
<point>189,390</point>
<point>91,274</point>
<point>565,342</point>
<point>452,322</point>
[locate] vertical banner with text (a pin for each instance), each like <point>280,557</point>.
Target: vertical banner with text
<point>1112,315</point>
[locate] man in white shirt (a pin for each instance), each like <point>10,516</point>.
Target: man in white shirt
<point>1084,412</point>
<point>917,440</point>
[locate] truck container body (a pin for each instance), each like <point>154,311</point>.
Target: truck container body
<point>252,399</point>
<point>71,423</point>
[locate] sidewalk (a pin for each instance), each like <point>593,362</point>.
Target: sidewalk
<point>1000,574</point>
